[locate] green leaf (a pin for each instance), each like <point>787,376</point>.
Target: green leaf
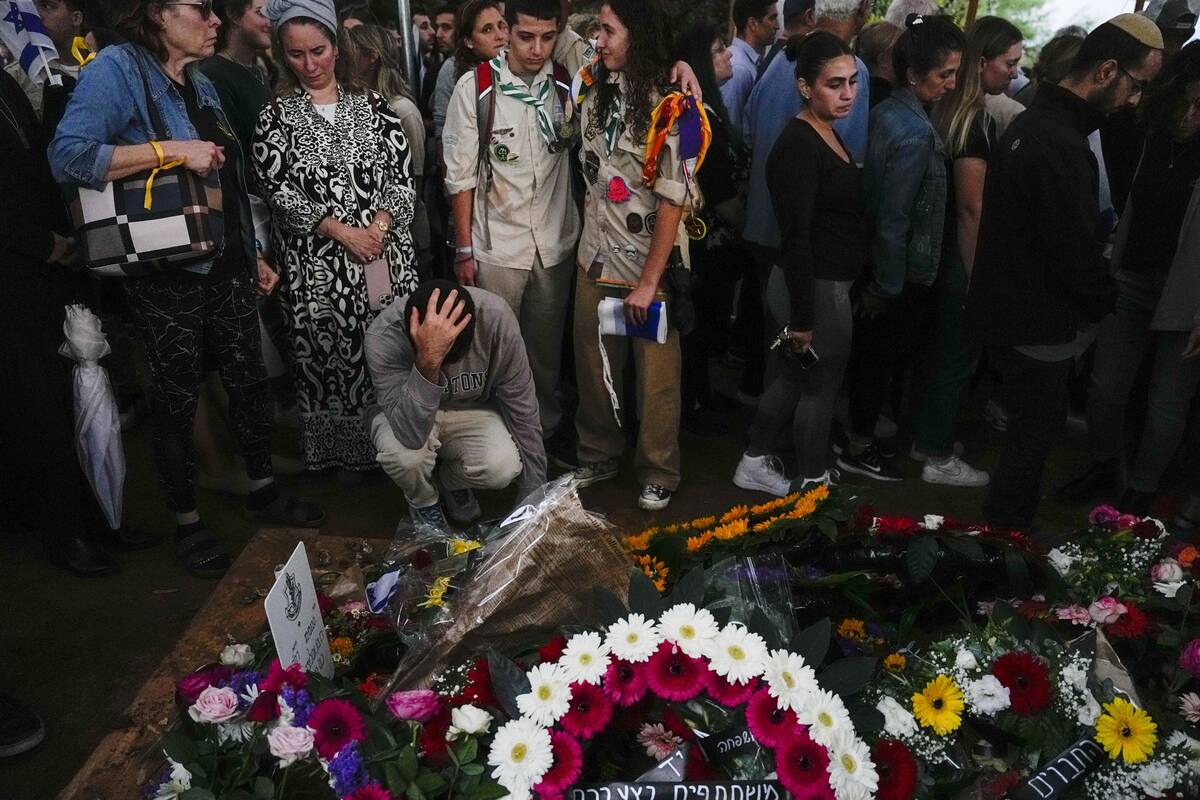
<point>395,781</point>
<point>413,792</point>
<point>509,680</point>
<point>407,762</point>
<point>759,623</point>
<point>812,643</point>
<point>643,597</point>
<point>722,615</point>
<point>472,769</point>
<point>179,747</point>
<point>828,528</point>
<point>197,793</point>
<point>264,789</point>
<point>607,608</point>
<point>848,676</point>
<point>488,791</point>
<point>689,589</point>
<point>967,548</point>
<point>1018,572</point>
<point>431,783</point>
<point>908,619</point>
<point>468,750</point>
<point>921,557</point>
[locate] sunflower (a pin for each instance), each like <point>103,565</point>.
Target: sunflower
<point>895,662</point>
<point>1127,731</point>
<point>655,570</point>
<point>768,507</point>
<point>731,530</point>
<point>850,628</point>
<point>737,512</point>
<point>694,543</point>
<point>939,705</point>
<point>701,523</point>
<point>639,542</point>
<point>759,527</point>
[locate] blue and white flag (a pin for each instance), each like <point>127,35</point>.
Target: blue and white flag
<point>25,36</point>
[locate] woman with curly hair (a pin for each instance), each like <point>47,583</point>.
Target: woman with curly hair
<point>633,227</point>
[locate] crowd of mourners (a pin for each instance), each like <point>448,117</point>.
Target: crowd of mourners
<point>538,251</point>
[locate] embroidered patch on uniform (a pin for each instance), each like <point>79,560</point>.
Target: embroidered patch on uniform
<point>450,140</point>
<point>634,223</point>
<point>1016,143</point>
<point>651,219</point>
<point>502,153</point>
<point>502,133</point>
<point>630,252</point>
<point>618,190</point>
<point>591,167</point>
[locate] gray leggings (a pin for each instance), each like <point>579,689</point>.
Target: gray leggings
<point>804,398</point>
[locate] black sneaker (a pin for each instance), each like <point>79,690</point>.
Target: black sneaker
<point>431,516</point>
<point>654,497</point>
<point>21,730</point>
<point>886,447</point>
<point>869,463</point>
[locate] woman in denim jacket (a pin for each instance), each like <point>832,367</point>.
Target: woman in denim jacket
<point>205,313</point>
<point>905,188</point>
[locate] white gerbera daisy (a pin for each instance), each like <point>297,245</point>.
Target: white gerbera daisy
<point>987,696</point>
<point>851,769</point>
<point>585,658</point>
<point>691,629</point>
<point>549,696</point>
<point>520,755</point>
<point>789,679</point>
<point>737,654</point>
<point>633,639</point>
<point>826,717</point>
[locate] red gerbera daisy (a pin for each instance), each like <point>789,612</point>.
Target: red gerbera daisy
<point>803,767</point>
<point>625,683</point>
<point>590,711</point>
<point>769,724</point>
<point>552,650</point>
<point>896,526</point>
<point>335,724</point>
<point>278,677</point>
<point>674,675</point>
<point>372,791</point>
<point>726,693</point>
<point>568,761</point>
<point>1026,679</point>
<point>478,690</point>
<point>264,708</point>
<point>1132,624</point>
<point>897,770</point>
<point>677,726</point>
<point>432,738</point>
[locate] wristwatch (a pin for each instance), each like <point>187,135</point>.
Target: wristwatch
<point>383,225</point>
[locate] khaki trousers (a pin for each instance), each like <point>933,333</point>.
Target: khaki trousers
<point>658,369</point>
<point>538,298</point>
<point>473,446</point>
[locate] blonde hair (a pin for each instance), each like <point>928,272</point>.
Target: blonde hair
<point>956,113</point>
<point>388,76</point>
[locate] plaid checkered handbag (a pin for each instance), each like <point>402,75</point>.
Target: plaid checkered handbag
<point>163,219</point>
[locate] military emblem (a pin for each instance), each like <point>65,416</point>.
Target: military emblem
<point>293,595</point>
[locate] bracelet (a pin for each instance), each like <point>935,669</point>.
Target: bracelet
<point>463,258</point>
<point>467,250</point>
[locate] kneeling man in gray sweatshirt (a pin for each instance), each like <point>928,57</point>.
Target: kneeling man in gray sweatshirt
<point>457,409</point>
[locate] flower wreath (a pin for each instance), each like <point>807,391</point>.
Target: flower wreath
<point>685,652</point>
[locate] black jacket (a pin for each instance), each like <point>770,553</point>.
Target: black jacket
<point>1039,272</point>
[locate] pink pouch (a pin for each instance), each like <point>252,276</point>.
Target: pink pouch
<point>379,284</point>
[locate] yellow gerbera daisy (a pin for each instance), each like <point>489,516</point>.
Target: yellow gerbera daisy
<point>1127,731</point>
<point>939,705</point>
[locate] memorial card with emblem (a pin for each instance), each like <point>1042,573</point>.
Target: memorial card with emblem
<point>295,617</point>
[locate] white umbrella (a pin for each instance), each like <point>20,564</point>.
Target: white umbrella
<point>97,421</point>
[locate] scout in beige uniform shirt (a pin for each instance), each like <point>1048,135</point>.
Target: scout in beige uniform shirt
<point>619,218</point>
<point>524,226</point>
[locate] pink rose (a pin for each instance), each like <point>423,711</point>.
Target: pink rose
<point>1106,610</point>
<point>1167,571</point>
<point>1189,657</point>
<point>190,686</point>
<point>1076,615</point>
<point>1103,515</point>
<point>290,744</point>
<point>214,705</point>
<point>418,705</point>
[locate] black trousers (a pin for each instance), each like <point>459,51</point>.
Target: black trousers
<point>715,272</point>
<point>182,322</point>
<point>1036,396</point>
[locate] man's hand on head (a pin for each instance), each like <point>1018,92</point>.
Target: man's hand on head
<point>434,337</point>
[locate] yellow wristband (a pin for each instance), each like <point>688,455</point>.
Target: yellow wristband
<point>154,172</point>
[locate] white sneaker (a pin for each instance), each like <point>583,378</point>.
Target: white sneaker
<point>762,474</point>
<point>921,456</point>
<point>953,472</point>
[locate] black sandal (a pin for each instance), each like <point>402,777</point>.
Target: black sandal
<point>202,553</point>
<point>289,510</point>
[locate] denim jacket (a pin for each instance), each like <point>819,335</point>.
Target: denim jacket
<point>905,187</point>
<point>109,108</point>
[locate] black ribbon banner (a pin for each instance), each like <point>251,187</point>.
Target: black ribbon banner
<point>1054,779</point>
<point>656,790</point>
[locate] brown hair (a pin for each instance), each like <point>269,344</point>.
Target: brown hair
<point>342,69</point>
<point>137,25</point>
<point>465,59</point>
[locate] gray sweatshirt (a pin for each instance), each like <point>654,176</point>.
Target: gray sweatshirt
<point>493,374</point>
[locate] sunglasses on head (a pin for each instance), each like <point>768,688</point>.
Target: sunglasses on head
<point>205,7</point>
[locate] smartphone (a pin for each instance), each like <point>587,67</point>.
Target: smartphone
<point>379,284</point>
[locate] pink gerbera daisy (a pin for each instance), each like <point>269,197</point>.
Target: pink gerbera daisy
<point>625,683</point>
<point>726,693</point>
<point>803,768</point>
<point>674,675</point>
<point>769,724</point>
<point>335,724</point>
<point>568,761</point>
<point>372,791</point>
<point>590,711</point>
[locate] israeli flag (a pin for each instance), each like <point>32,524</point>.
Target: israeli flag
<point>25,36</point>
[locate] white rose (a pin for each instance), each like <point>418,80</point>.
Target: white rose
<point>1166,571</point>
<point>468,721</point>
<point>965,660</point>
<point>237,655</point>
<point>933,522</point>
<point>214,706</point>
<point>1060,561</point>
<point>290,744</point>
<point>897,721</point>
<point>1089,712</point>
<point>1156,779</point>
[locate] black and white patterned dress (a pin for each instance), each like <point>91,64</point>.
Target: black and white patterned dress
<point>310,169</point>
